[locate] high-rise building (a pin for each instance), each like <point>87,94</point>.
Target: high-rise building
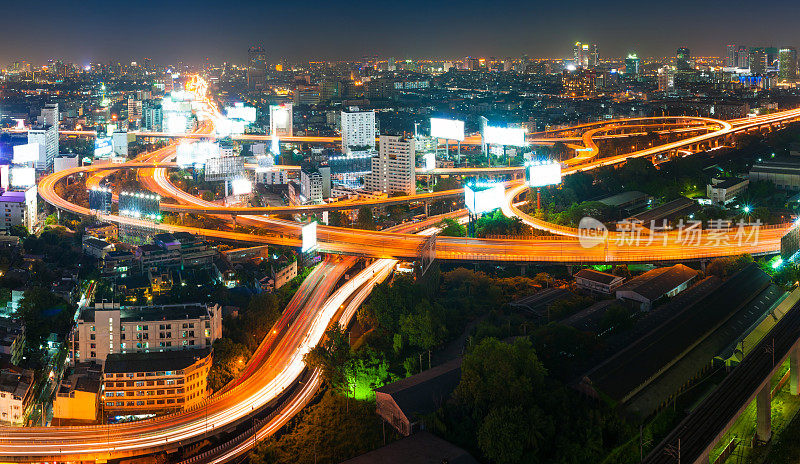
<point>393,167</point>
<point>666,79</point>
<point>758,60</point>
<point>787,64</point>
<point>256,68</point>
<point>49,115</point>
<point>47,138</point>
<point>306,95</point>
<point>742,57</point>
<point>683,59</point>
<point>152,116</point>
<point>280,120</point>
<point>358,130</point>
<point>731,55</point>
<point>585,55</point>
<point>632,65</point>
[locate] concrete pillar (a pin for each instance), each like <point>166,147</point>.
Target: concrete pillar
<point>764,413</point>
<point>183,217</point>
<point>426,209</point>
<point>523,269</point>
<point>703,265</point>
<point>569,269</point>
<point>794,370</point>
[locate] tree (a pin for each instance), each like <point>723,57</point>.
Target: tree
<point>18,230</point>
<point>229,359</point>
<point>424,328</point>
<point>331,356</point>
<point>452,228</point>
<point>51,220</point>
<point>365,219</point>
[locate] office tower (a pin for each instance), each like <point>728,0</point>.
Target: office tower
<point>585,55</point>
<point>134,111</point>
<point>632,65</point>
<point>257,68</point>
<point>391,64</point>
<point>758,60</point>
<point>152,116</point>
<point>393,167</point>
<point>683,59</point>
<point>666,79</point>
<point>47,138</point>
<point>742,57</point>
<point>594,56</point>
<point>280,120</point>
<point>358,130</point>
<point>49,115</point>
<point>731,56</point>
<point>787,64</point>
<point>306,95</point>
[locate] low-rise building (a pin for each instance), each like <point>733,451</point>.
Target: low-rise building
<point>16,393</point>
<point>96,247</point>
<point>155,382</point>
<point>597,282</point>
<point>722,191</point>
<point>282,275</point>
<point>12,340</point>
<point>651,286</point>
<point>404,403</point>
<point>784,173</point>
<point>104,231</point>
<point>77,399</point>
<point>108,328</point>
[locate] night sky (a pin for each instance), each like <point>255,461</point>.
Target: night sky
<point>191,31</point>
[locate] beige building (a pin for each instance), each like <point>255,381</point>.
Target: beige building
<point>15,394</point>
<point>109,329</point>
<point>155,382</point>
<point>393,169</point>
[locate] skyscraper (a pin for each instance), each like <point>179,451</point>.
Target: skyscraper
<point>632,65</point>
<point>787,64</point>
<point>731,56</point>
<point>683,59</point>
<point>585,55</point>
<point>257,68</point>
<point>758,60</point>
<point>742,57</point>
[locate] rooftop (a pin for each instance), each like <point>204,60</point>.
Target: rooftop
<point>597,276</point>
<point>423,393</point>
<point>420,448</point>
<point>153,313</point>
<point>658,282</point>
<point>154,361</point>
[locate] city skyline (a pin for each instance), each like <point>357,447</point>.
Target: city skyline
<point>193,32</point>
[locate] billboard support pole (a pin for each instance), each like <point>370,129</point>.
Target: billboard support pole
<point>538,199</point>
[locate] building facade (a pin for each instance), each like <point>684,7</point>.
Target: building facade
<point>358,130</point>
<point>393,169</point>
<point>108,329</point>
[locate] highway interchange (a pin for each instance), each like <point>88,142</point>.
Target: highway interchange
<point>277,364</point>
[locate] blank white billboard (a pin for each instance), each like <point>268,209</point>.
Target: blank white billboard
<point>484,197</point>
<point>451,129</point>
<point>541,174</point>
<point>430,161</point>
<point>23,177</point>
<point>309,236</point>
<point>241,186</point>
<point>239,111</point>
<point>513,136</point>
<point>27,153</point>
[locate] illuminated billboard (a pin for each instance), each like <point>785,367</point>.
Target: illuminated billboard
<point>309,236</point>
<point>430,161</point>
<point>239,111</point>
<point>27,153</point>
<point>241,186</point>
<point>481,197</point>
<point>280,120</point>
<point>513,136</point>
<point>23,177</point>
<point>223,168</point>
<point>100,199</point>
<point>103,147</point>
<point>140,204</point>
<point>450,129</point>
<point>539,174</point>
<point>196,153</point>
